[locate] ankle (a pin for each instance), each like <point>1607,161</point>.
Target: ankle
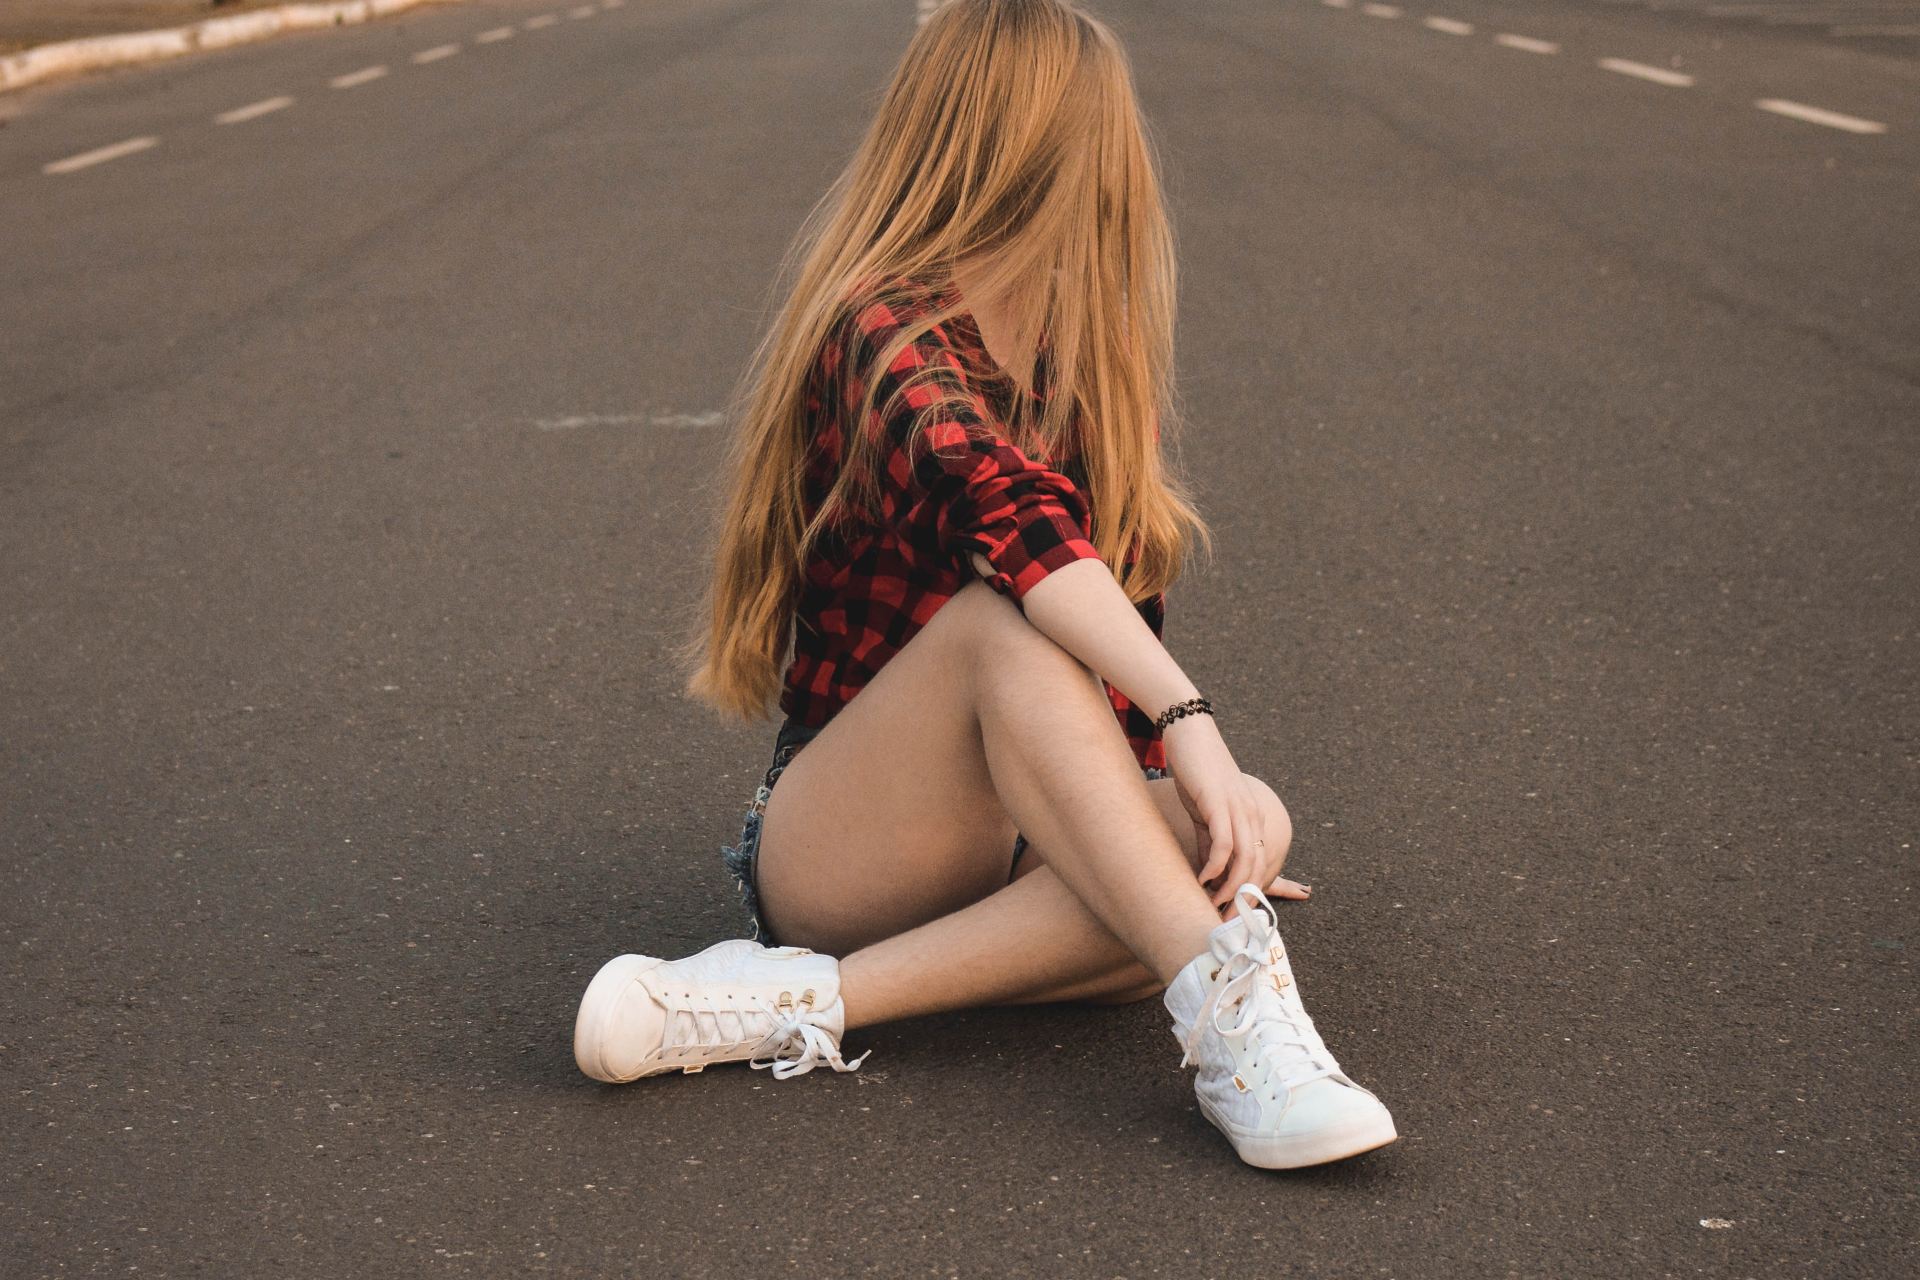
<point>864,998</point>
<point>1183,940</point>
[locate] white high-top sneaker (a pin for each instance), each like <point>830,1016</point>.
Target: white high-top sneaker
<point>1266,1078</point>
<point>776,1007</point>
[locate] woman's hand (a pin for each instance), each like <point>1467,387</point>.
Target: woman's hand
<point>1242,826</point>
<point>1224,806</point>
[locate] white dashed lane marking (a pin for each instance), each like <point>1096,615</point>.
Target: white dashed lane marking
<point>1643,71</point>
<point>1624,66</point>
<point>1819,115</point>
<point>1448,26</point>
<point>356,78</point>
<point>252,111</point>
<point>1526,44</point>
<point>100,155</point>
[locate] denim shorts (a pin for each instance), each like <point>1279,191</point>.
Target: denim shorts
<point>742,860</point>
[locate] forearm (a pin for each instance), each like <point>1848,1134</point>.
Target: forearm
<point>1083,610</point>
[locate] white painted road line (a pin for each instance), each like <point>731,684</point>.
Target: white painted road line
<point>1819,115</point>
<point>1896,30</point>
<point>436,53</point>
<point>252,111</point>
<point>1380,10</point>
<point>1526,44</point>
<point>1659,75</point>
<point>540,20</point>
<point>498,33</point>
<point>356,78</point>
<point>99,155</point>
<point>1448,26</point>
<point>582,11</point>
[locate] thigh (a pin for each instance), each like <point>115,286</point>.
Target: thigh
<point>888,817</point>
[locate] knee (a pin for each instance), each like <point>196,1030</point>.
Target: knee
<point>994,636</point>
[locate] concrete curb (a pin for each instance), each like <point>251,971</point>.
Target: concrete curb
<point>66,57</point>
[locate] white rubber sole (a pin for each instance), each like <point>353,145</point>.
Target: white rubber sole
<point>594,1025</point>
<point>1302,1151</point>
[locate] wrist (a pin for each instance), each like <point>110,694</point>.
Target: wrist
<point>1193,708</point>
<point>1159,700</point>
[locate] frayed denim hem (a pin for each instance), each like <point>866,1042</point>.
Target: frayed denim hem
<point>741,862</point>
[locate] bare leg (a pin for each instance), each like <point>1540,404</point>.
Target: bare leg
<point>1032,935</point>
<point>903,809</point>
<point>1030,943</point>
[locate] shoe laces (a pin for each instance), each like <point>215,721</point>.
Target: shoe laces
<point>797,1045</point>
<point>782,1035</point>
<point>1255,994</point>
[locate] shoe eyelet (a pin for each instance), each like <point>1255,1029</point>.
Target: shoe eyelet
<point>1240,1084</point>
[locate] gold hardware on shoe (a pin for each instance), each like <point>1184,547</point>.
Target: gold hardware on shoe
<point>806,998</point>
<point>697,1068</point>
<point>1281,982</point>
<point>1240,1084</point>
<point>786,1001</point>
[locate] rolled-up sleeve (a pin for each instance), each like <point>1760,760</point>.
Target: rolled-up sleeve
<point>949,471</point>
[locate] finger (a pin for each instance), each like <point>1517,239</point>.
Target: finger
<point>1221,865</point>
<point>1239,871</point>
<point>1257,830</point>
<point>1219,830</point>
<point>1285,888</point>
<point>1242,865</point>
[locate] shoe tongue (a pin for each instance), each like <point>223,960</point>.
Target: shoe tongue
<point>1230,939</point>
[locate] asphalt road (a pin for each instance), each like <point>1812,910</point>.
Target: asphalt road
<point>1558,429</point>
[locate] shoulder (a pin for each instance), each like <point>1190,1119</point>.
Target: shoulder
<point>876,309</point>
<point>900,329</point>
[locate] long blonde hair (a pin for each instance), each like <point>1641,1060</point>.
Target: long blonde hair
<point>1010,140</point>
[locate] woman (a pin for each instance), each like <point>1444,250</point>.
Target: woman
<point>949,437</point>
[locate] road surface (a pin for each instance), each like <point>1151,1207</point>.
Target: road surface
<point>1554,406</point>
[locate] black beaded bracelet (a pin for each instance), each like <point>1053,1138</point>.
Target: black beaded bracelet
<point>1191,707</point>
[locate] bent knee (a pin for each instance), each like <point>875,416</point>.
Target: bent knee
<point>993,634</point>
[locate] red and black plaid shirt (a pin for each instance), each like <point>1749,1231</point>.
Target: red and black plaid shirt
<point>964,488</point>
